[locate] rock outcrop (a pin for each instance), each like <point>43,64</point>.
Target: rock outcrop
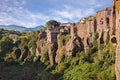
<point>74,45</point>
<point>42,35</point>
<point>52,52</point>
<point>25,52</point>
<point>52,45</point>
<point>106,23</point>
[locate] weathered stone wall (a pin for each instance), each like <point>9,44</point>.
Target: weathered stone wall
<point>52,44</point>
<point>42,35</point>
<point>82,32</point>
<point>117,63</point>
<point>41,46</point>
<point>103,24</point>
<point>85,29</point>
<point>100,23</point>
<point>91,27</point>
<point>52,36</point>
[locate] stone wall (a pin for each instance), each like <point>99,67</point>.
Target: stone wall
<point>82,32</point>
<point>52,44</point>
<point>85,29</point>
<point>117,63</point>
<point>100,23</point>
<point>103,24</point>
<point>52,36</point>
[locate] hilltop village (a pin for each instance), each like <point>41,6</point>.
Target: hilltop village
<point>106,23</point>
<point>82,33</point>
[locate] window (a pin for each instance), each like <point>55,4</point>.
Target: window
<point>107,19</point>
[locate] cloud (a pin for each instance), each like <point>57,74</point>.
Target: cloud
<point>14,12</point>
<point>23,17</point>
<point>18,15</point>
<point>64,14</point>
<point>73,14</point>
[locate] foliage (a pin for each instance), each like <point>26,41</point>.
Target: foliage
<point>117,5</point>
<point>50,23</point>
<point>96,35</point>
<point>92,65</point>
<point>96,63</point>
<point>6,45</point>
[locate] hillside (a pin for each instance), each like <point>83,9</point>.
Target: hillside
<point>19,59</point>
<point>20,28</point>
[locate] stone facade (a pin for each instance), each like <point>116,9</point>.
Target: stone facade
<point>82,32</point>
<point>66,24</point>
<point>100,23</point>
<point>85,29</point>
<point>103,24</point>
<point>52,44</point>
<point>52,36</point>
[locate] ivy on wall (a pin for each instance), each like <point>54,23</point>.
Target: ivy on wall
<point>117,5</point>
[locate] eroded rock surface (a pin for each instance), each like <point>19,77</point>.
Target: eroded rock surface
<point>74,45</point>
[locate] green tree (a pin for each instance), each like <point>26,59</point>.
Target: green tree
<point>50,23</point>
<point>6,45</point>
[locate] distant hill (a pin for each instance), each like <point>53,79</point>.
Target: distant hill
<point>20,28</point>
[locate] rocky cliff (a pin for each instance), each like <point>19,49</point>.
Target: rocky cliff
<point>106,23</point>
<point>116,13</point>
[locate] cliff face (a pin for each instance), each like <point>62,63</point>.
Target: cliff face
<point>73,38</point>
<point>81,35</point>
<point>117,29</point>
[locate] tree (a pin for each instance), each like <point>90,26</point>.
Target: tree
<point>50,23</point>
<point>6,45</point>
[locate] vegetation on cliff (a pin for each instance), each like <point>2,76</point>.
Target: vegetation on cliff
<point>117,5</point>
<point>18,59</point>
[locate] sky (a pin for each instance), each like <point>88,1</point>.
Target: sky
<point>32,13</point>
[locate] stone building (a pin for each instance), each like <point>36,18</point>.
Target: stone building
<point>52,35</point>
<point>65,27</point>
<point>82,31</point>
<point>52,44</point>
<point>52,39</point>
<point>85,29</point>
<point>91,21</point>
<point>65,24</point>
<point>103,24</point>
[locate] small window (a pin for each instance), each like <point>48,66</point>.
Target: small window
<point>107,19</point>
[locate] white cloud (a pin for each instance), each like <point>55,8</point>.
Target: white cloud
<point>64,14</point>
<point>13,12</point>
<point>73,14</point>
<point>18,15</point>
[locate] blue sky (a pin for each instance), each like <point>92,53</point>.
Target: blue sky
<point>31,13</point>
